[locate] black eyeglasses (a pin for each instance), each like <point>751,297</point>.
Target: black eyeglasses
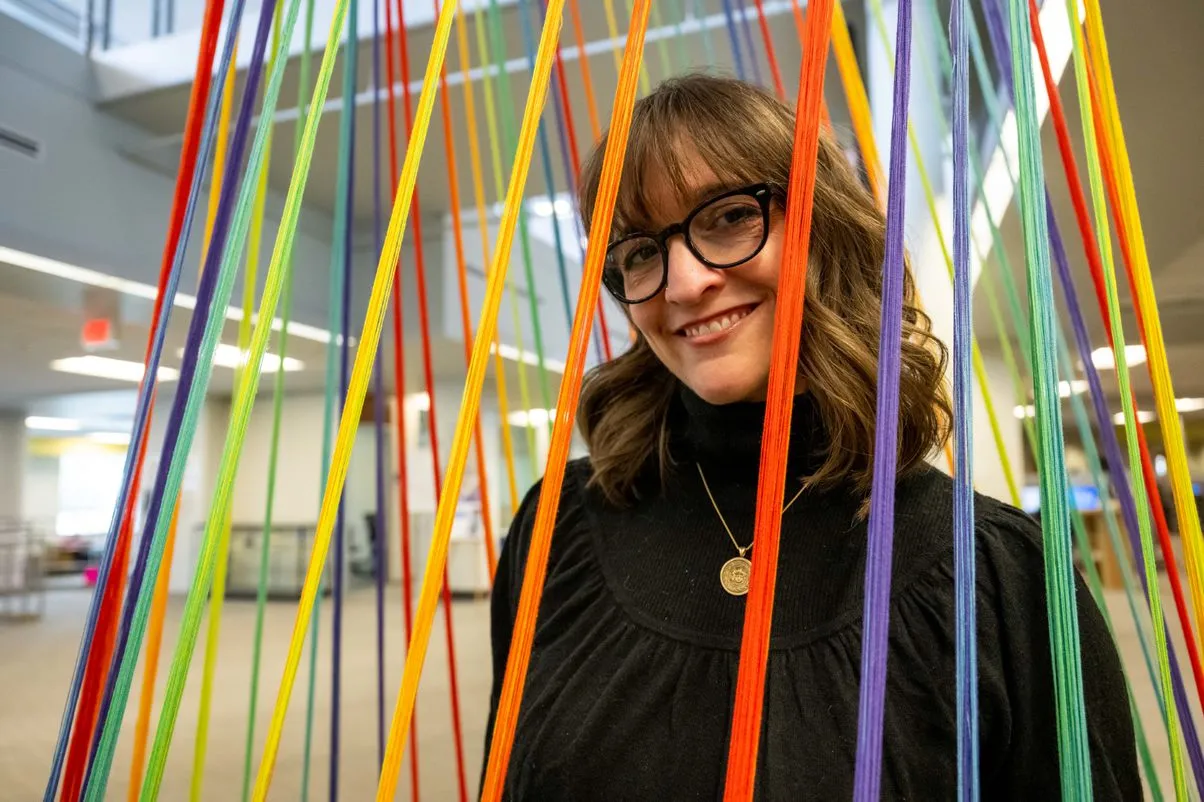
<point>725,231</point>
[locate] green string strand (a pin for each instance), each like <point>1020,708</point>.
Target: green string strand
<point>246,389</point>
<point>662,48</point>
<point>333,391</point>
<point>1074,759</point>
<point>509,143</point>
<point>286,303</point>
<point>1104,236</point>
<point>217,596</point>
<point>1128,578</point>
<point>683,55</point>
<point>479,23</point>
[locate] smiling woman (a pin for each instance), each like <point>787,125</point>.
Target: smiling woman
<point>629,689</point>
<point>701,292</point>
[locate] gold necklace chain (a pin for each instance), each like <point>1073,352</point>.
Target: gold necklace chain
<point>741,549</point>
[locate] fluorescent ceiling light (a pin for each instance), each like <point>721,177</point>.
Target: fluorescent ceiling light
<point>544,207</point>
<point>530,417</point>
<point>1077,387</point>
<point>94,278</point>
<point>515,355</point>
<point>1102,357</point>
<point>1022,412</point>
<point>229,356</point>
<point>104,367</point>
<point>1143,416</point>
<point>110,438</point>
<point>1189,404</point>
<point>51,424</point>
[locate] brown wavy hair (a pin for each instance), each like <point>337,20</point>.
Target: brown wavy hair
<point>745,135</point>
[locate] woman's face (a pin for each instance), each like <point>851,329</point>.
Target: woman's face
<point>711,328</point>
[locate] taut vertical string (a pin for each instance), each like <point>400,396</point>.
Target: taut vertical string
<point>478,192</point>
<point>401,420</point>
<point>428,374</point>
<point>470,405</point>
<point>261,593</point>
<point>541,538</point>
<point>94,653</point>
<point>453,187</point>
<point>365,353</point>
<point>213,297</point>
<point>964,554</point>
<point>880,536</point>
<point>1073,755</point>
<point>788,322</point>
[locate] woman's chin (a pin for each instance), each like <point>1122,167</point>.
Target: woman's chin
<point>720,390</point>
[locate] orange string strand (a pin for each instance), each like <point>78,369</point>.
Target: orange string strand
<point>783,373</point>
<point>566,406</point>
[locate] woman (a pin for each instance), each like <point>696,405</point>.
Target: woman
<point>630,688</point>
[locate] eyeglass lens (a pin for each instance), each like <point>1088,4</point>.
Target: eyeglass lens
<point>724,233</point>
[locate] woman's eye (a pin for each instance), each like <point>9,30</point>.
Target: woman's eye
<point>733,216</point>
<point>640,257</point>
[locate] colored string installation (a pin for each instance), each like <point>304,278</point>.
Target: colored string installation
<point>228,138</point>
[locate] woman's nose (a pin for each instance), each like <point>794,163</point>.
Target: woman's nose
<point>688,278</point>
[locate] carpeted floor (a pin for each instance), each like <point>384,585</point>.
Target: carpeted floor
<point>36,659</point>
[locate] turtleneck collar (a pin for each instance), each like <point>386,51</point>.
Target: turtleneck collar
<point>726,439</point>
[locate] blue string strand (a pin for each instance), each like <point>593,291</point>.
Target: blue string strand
<point>749,42</point>
<point>880,540</point>
<point>734,38</point>
<point>193,382</point>
<point>340,547</point>
<point>566,160</point>
<point>378,405</point>
<point>963,487</point>
<point>142,406</point>
<point>545,159</point>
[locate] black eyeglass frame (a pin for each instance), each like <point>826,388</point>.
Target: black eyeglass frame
<point>764,193</point>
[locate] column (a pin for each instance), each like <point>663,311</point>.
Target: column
<point>12,464</point>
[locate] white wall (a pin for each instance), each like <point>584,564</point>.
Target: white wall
<point>84,201</point>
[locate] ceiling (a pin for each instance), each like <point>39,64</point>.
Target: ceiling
<point>1156,87</point>
<point>163,111</point>
<point>43,317</point>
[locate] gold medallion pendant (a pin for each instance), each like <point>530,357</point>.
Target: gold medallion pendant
<point>734,576</point>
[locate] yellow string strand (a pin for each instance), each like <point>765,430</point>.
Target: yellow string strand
<point>361,373</point>
<point>428,599</point>
<point>478,193</point>
<point>495,152</point>
<point>1160,374</point>
<point>217,594</point>
<point>858,100</point>
<point>159,601</point>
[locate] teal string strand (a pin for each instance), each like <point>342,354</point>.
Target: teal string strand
<point>286,305</point>
<point>1059,568</point>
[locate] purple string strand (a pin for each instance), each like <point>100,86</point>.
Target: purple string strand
<point>880,537</point>
<point>188,372</point>
<point>142,408</point>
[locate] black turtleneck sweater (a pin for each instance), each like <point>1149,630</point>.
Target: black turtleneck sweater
<point>632,676</point>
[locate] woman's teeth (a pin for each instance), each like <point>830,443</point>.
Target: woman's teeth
<point>718,325</point>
